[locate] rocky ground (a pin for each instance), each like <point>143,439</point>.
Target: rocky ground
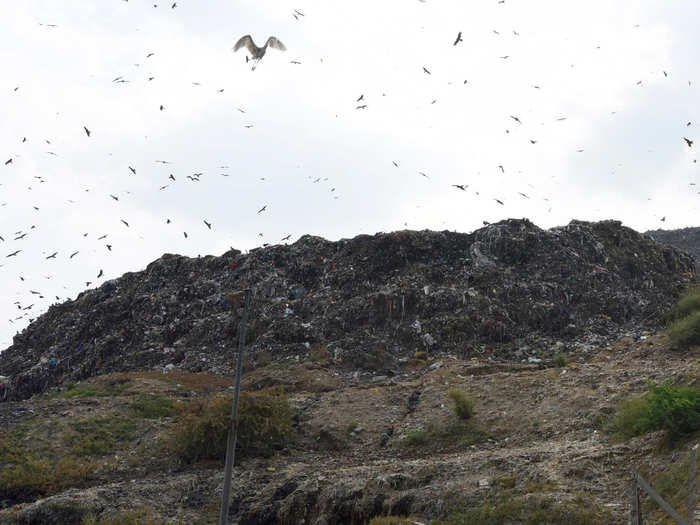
<point>537,429</point>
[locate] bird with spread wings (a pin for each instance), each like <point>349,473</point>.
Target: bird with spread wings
<point>258,52</point>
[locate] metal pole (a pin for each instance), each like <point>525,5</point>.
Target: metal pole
<point>635,517</point>
<point>233,429</point>
<point>691,484</point>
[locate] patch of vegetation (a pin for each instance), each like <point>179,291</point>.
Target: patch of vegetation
<point>24,477</point>
<point>506,507</point>
<point>672,486</point>
<point>457,434</point>
<point>137,517</point>
<point>98,436</point>
<point>464,405</point>
<point>663,407</point>
<point>688,303</point>
<point>561,360</point>
<point>395,520</point>
<point>76,392</point>
<point>150,406</point>
<point>685,331</point>
<point>265,425</point>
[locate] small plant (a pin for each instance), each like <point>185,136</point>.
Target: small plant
<point>99,436</point>
<point>685,331</point>
<point>395,520</point>
<point>688,303</point>
<point>561,360</point>
<point>663,407</point>
<point>265,425</point>
<point>458,434</point>
<point>153,407</point>
<point>464,405</point>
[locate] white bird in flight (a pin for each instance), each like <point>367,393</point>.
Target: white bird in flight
<point>258,52</point>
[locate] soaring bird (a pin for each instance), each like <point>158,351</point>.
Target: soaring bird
<point>258,52</point>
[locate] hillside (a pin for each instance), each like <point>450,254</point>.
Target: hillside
<point>546,330</point>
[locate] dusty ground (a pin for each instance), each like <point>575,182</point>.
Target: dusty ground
<point>537,428</point>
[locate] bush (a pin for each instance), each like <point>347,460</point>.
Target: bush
<point>464,405</point>
<point>688,303</point>
<point>99,436</point>
<point>153,407</point>
<point>676,410</point>
<point>561,360</point>
<point>685,331</point>
<point>458,434</point>
<point>265,425</point>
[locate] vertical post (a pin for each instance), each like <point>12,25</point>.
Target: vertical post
<point>233,429</point>
<point>635,516</point>
<point>691,484</point>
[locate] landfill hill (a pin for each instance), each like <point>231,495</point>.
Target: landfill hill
<point>687,239</point>
<point>510,290</point>
<point>547,331</point>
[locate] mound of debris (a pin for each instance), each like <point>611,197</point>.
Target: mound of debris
<point>687,239</point>
<point>509,291</point>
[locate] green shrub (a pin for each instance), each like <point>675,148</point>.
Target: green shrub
<point>676,410</point>
<point>688,303</point>
<point>458,434</point>
<point>395,520</point>
<point>561,360</point>
<point>265,425</point>
<point>99,436</point>
<point>464,405</point>
<point>663,407</point>
<point>153,406</point>
<point>685,331</point>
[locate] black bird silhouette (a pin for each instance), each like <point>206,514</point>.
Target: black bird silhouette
<point>13,253</point>
<point>100,274</point>
<point>286,238</point>
<point>127,224</point>
<point>501,168</point>
<point>363,106</point>
<point>360,97</point>
<point>516,119</point>
<point>499,202</point>
<point>162,107</point>
<point>132,170</point>
<point>114,197</point>
<point>73,254</point>
<point>87,131</point>
<point>663,219</point>
<point>52,256</point>
<point>171,176</point>
<point>263,208</point>
<point>109,247</point>
<point>521,193</point>
<point>88,283</point>
<point>458,39</point>
<point>689,142</point>
<point>167,221</point>
<point>533,141</point>
<point>208,224</point>
<point>100,238</point>
<point>394,163</point>
<point>173,6</point>
<point>8,161</point>
<point>462,187</point>
<point>185,234</point>
<point>426,71</point>
<point>424,175</point>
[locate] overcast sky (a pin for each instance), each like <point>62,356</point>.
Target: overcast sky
<point>605,90</point>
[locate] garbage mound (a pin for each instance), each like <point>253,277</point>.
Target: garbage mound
<point>509,291</point>
<point>686,239</point>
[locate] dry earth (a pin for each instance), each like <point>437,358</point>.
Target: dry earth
<point>537,429</point>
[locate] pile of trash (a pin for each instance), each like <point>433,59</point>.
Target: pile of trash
<point>687,239</point>
<point>508,291</point>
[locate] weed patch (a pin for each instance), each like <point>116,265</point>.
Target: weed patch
<point>458,434</point>
<point>464,405</point>
<point>265,425</point>
<point>685,331</point>
<point>149,406</point>
<point>98,436</point>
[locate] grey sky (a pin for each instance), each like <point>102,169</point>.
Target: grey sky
<point>587,60</point>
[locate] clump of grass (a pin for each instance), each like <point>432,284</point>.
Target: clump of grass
<point>99,436</point>
<point>508,507</point>
<point>561,360</point>
<point>151,406</point>
<point>688,303</point>
<point>457,434</point>
<point>394,520</point>
<point>265,425</point>
<point>464,405</point>
<point>685,331</point>
<point>136,517</point>
<point>24,477</point>
<point>663,407</point>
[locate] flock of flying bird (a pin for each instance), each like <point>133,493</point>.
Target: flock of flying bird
<point>255,55</point>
